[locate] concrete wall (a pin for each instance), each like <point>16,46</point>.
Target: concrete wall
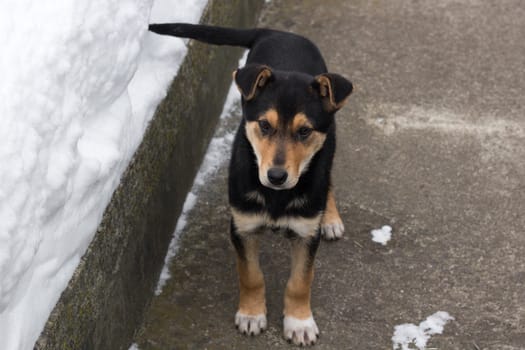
<point>114,283</point>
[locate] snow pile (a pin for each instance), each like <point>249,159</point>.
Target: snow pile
<point>217,153</point>
<point>408,333</point>
<point>382,235</point>
<point>80,82</point>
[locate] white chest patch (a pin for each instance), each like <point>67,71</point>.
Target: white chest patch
<point>249,222</point>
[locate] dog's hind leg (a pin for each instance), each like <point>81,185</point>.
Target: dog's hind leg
<point>299,324</point>
<point>251,315</point>
<point>331,225</point>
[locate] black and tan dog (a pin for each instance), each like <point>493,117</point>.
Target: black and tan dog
<point>280,163</point>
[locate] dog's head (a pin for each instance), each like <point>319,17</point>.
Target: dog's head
<point>287,118</point>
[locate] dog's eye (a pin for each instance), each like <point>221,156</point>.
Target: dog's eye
<point>304,132</point>
<point>265,126</point>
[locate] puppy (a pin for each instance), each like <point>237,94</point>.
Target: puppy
<point>279,175</point>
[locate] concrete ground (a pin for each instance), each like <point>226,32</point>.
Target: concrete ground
<point>432,142</point>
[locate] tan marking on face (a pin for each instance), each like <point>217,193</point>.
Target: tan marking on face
<point>268,144</point>
<point>272,117</point>
<point>264,148</point>
<point>299,121</point>
<point>300,153</point>
<point>297,154</point>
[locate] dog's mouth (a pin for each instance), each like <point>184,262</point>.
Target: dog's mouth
<point>277,187</point>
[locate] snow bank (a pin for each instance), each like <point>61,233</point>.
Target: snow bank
<point>408,333</point>
<point>80,82</point>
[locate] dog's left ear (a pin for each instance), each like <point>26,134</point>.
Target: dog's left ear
<point>334,90</point>
<point>250,78</point>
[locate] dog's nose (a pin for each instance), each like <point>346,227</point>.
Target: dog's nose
<point>277,176</point>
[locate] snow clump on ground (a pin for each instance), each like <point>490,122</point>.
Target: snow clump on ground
<point>408,333</point>
<point>382,235</point>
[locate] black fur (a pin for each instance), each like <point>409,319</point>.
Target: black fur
<point>284,73</point>
<point>294,62</point>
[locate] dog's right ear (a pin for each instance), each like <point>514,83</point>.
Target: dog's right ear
<point>334,90</point>
<point>250,78</point>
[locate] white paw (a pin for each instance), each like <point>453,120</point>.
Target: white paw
<point>332,230</point>
<point>250,324</point>
<point>300,332</point>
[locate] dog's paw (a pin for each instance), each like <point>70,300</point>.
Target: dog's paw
<point>300,332</point>
<point>332,230</point>
<point>250,324</point>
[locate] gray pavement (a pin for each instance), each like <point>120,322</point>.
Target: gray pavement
<point>432,142</point>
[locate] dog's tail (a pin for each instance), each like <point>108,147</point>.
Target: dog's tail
<point>210,34</point>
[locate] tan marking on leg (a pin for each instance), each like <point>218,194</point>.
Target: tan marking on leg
<point>298,324</point>
<point>331,213</point>
<point>251,280</point>
<point>331,225</point>
<point>297,294</point>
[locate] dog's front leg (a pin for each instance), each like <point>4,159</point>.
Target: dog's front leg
<point>331,226</point>
<point>299,324</point>
<point>251,315</point>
